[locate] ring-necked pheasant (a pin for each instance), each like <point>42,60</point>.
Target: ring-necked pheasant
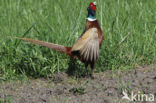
<point>86,48</point>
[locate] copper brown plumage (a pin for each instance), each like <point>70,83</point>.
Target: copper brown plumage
<point>86,48</point>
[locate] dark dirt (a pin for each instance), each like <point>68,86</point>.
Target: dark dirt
<point>107,87</point>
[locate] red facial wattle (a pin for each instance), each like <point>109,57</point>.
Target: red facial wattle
<point>92,6</point>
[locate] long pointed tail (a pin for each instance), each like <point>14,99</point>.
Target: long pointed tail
<point>56,47</point>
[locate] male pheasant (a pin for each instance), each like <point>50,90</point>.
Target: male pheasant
<point>86,48</point>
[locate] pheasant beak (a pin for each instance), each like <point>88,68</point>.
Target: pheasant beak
<point>94,3</point>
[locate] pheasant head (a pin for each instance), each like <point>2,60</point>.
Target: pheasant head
<point>92,11</point>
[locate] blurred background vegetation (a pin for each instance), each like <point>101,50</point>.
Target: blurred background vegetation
<point>129,28</point>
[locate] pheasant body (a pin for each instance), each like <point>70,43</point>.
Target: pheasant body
<point>86,48</point>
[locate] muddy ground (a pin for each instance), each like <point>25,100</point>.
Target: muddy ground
<point>107,87</point>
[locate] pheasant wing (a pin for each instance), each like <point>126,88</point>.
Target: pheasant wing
<point>88,45</point>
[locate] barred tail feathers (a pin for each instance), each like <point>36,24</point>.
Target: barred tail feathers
<point>53,46</point>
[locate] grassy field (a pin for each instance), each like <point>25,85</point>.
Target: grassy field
<point>129,28</point>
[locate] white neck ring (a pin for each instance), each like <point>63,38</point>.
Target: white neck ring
<point>90,19</point>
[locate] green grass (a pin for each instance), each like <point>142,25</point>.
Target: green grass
<point>62,22</point>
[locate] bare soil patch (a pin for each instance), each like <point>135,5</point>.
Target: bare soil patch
<point>107,87</point>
